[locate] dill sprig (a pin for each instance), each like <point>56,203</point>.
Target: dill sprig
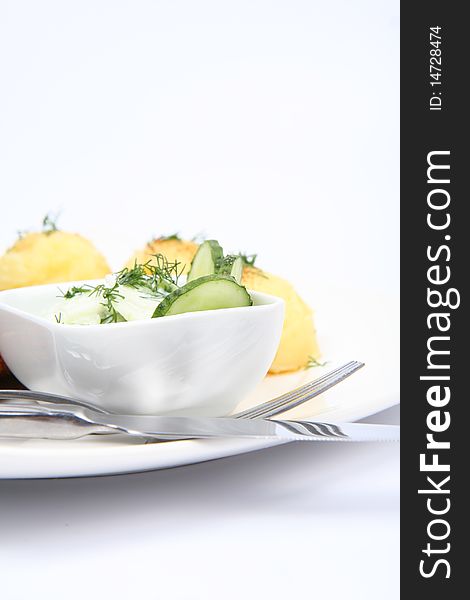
<point>135,277</point>
<point>173,236</point>
<point>74,290</point>
<point>164,238</point>
<point>157,276</point>
<point>313,362</point>
<point>228,260</point>
<point>110,295</point>
<point>248,259</point>
<point>163,273</point>
<point>49,224</point>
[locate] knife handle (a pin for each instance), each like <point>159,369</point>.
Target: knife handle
<point>52,423</point>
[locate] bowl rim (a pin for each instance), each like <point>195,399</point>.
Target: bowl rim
<point>270,302</point>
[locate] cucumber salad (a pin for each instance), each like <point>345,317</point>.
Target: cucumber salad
<point>152,290</point>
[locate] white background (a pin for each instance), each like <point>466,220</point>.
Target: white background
<point>274,127</point>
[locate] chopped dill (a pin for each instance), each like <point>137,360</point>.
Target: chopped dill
<point>49,224</point>
<point>248,259</point>
<point>164,272</point>
<point>173,236</point>
<point>156,276</point>
<point>229,260</point>
<point>74,290</point>
<point>313,362</point>
<point>110,295</point>
<point>164,238</point>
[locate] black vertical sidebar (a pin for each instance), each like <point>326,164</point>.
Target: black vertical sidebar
<point>435,242</point>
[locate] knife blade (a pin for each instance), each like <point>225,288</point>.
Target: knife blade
<point>205,427</point>
<point>64,421</point>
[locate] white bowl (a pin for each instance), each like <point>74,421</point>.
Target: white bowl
<point>200,363</point>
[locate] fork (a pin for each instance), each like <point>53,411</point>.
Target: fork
<point>301,394</point>
<point>270,408</point>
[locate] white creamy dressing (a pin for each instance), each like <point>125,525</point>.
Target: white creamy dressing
<point>136,304</point>
<point>132,304</point>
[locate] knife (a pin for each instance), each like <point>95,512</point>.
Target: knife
<point>66,422</point>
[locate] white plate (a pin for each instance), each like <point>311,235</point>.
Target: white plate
<point>351,326</point>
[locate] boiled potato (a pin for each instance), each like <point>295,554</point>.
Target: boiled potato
<point>172,248</point>
<point>298,340</point>
<point>50,257</point>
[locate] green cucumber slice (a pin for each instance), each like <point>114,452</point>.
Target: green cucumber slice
<point>206,260</point>
<point>232,265</point>
<point>205,293</point>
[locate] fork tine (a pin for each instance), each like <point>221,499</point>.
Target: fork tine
<point>316,383</point>
<point>317,386</point>
<point>307,386</point>
<point>301,391</point>
<point>302,394</point>
<point>309,391</point>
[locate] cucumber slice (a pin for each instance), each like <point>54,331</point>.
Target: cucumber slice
<point>232,265</point>
<point>205,293</point>
<point>206,260</point>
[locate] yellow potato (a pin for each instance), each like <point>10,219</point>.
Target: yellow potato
<point>173,249</point>
<point>298,340</point>
<point>51,257</point>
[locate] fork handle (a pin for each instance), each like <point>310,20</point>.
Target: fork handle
<point>7,396</point>
<point>20,421</point>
